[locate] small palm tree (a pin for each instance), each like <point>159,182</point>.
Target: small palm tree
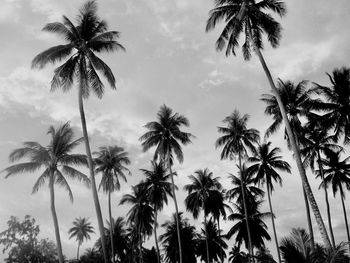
<point>202,187</point>
<point>111,161</point>
<point>235,141</point>
<point>158,188</point>
<point>57,160</point>
<point>141,213</point>
<point>81,230</point>
<point>264,166</point>
<point>166,136</point>
<point>84,40</point>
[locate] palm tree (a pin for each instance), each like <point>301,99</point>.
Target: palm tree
<point>158,188</point>
<point>81,230</point>
<point>84,40</point>
<point>297,102</point>
<point>199,192</point>
<point>337,174</point>
<point>264,166</point>
<point>166,136</point>
<point>237,256</point>
<point>216,244</point>
<point>337,104</point>
<point>189,239</point>
<point>252,19</point>
<point>235,141</point>
<point>57,160</point>
<point>141,213</point>
<point>111,161</point>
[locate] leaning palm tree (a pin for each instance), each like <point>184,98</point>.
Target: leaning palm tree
<point>202,188</point>
<point>337,174</point>
<point>83,41</point>
<point>57,160</point>
<point>250,18</point>
<point>111,161</point>
<point>265,165</point>
<point>166,136</point>
<point>235,141</point>
<point>158,188</point>
<point>81,230</point>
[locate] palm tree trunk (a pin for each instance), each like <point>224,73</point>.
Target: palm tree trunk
<point>250,244</point>
<point>78,251</point>
<point>296,151</point>
<point>92,176</point>
<point>308,217</point>
<point>55,220</point>
<point>111,225</point>
<point>219,234</point>
<point>155,232</point>
<point>326,199</point>
<point>206,237</point>
<point>344,211</point>
<point>140,246</point>
<point>176,209</point>
<point>273,223</point>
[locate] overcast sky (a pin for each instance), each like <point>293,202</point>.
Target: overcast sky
<point>169,60</point>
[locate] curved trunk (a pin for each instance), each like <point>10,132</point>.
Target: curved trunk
<point>92,176</point>
<point>326,199</point>
<point>111,226</point>
<point>155,233</point>
<point>250,244</point>
<point>344,211</point>
<point>296,151</point>
<point>308,217</point>
<point>206,237</point>
<point>78,251</point>
<point>273,223</point>
<point>176,210</point>
<point>54,217</point>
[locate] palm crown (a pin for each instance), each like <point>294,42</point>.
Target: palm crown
<point>81,230</point>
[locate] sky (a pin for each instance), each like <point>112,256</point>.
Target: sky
<point>171,60</point>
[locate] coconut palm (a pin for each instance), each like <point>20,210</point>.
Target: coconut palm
<point>189,240</point>
<point>236,139</point>
<point>158,188</point>
<point>202,187</point>
<point>166,136</point>
<point>83,41</point>
<point>265,166</point>
<point>253,19</point>
<point>111,162</point>
<point>140,214</point>
<point>81,230</point>
<point>297,103</point>
<point>57,160</point>
<point>337,175</point>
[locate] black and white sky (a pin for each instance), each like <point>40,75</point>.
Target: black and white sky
<point>169,60</point>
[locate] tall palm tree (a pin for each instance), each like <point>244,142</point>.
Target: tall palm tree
<point>235,141</point>
<point>189,239</point>
<point>158,188</point>
<point>140,214</point>
<point>57,160</point>
<point>252,18</point>
<point>111,161</point>
<point>165,134</point>
<point>337,174</point>
<point>297,103</point>
<point>264,166</point>
<point>81,230</point>
<point>83,41</point>
<point>200,190</point>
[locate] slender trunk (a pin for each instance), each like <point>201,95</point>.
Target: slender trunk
<point>92,176</point>
<point>54,217</point>
<point>140,246</point>
<point>326,199</point>
<point>111,226</point>
<point>308,217</point>
<point>273,222</point>
<point>206,237</point>
<point>344,211</point>
<point>155,232</point>
<point>78,251</point>
<point>296,151</point>
<point>219,231</point>
<point>250,244</point>
<point>176,210</point>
